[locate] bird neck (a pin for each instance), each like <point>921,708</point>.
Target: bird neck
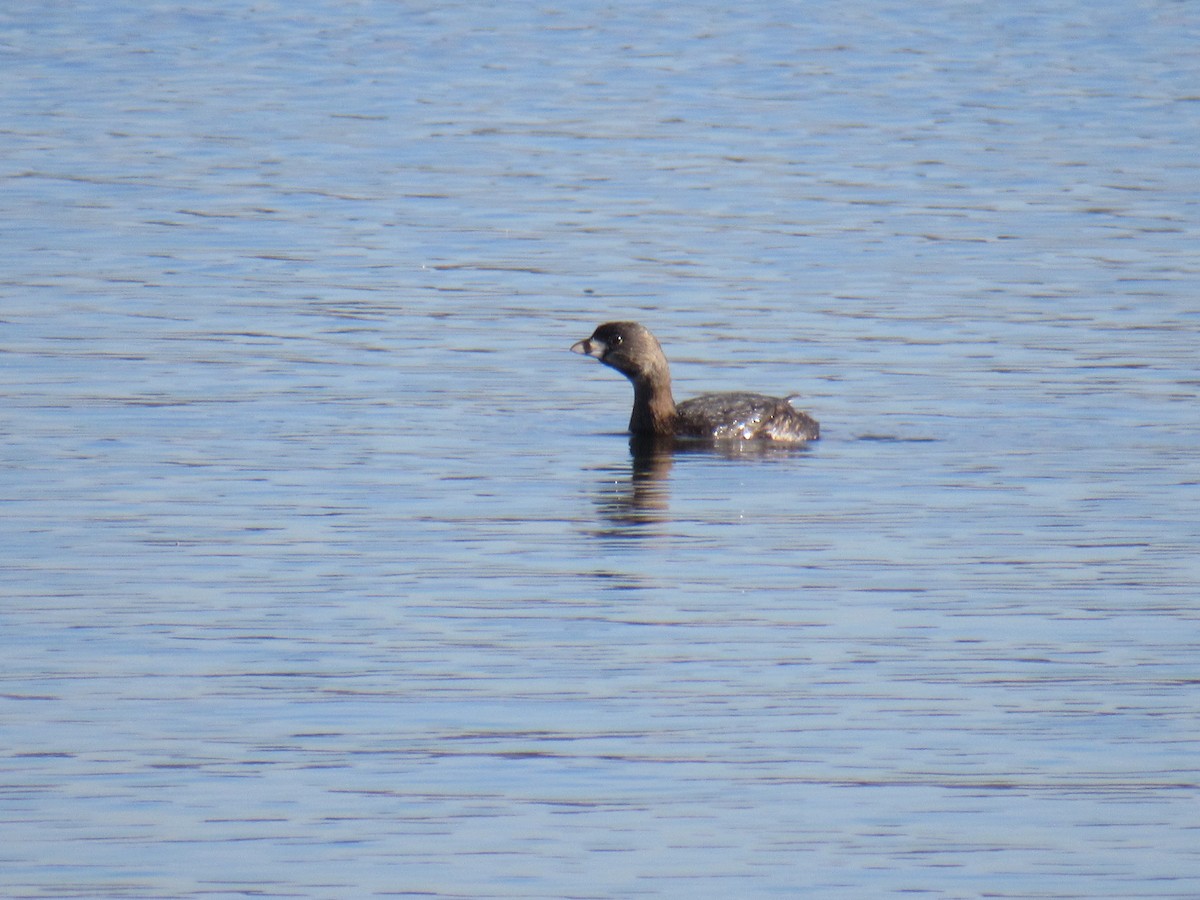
<point>653,406</point>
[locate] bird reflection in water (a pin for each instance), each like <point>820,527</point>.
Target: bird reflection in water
<point>633,498</point>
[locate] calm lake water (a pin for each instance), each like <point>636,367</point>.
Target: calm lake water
<point>328,571</point>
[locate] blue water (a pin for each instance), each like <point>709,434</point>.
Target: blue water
<point>328,572</point>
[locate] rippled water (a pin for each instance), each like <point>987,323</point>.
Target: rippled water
<point>329,573</point>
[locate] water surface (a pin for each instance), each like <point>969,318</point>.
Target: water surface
<point>329,573</point>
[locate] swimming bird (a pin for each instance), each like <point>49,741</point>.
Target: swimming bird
<point>633,351</point>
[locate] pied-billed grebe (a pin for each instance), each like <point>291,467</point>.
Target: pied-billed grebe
<point>634,352</point>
